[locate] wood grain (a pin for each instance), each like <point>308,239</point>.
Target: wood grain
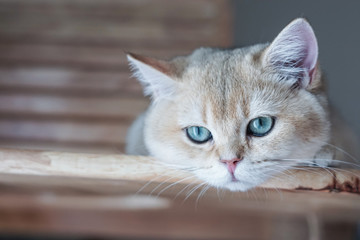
<point>146,168</point>
<point>129,196</point>
<point>107,107</point>
<point>55,82</point>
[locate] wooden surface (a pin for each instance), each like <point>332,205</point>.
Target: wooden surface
<point>64,79</point>
<point>131,197</point>
<point>89,207</point>
<point>140,168</point>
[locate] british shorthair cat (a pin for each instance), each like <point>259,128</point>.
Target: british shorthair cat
<point>236,117</point>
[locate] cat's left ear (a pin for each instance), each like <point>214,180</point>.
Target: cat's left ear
<point>155,75</point>
<point>294,53</point>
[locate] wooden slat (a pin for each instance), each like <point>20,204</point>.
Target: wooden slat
<point>186,9</point>
<point>109,195</point>
<point>175,22</point>
<point>113,31</point>
<point>134,45</point>
<point>75,132</point>
<point>67,146</point>
<point>62,64</point>
<point>31,211</point>
<point>111,107</point>
<point>68,55</point>
<point>104,209</point>
<point>56,81</point>
<point>144,168</point>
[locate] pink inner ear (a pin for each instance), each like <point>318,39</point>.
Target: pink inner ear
<point>294,50</point>
<point>160,65</point>
<point>310,45</point>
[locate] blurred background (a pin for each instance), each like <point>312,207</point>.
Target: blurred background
<point>336,26</point>
<point>64,80</point>
<point>65,83</point>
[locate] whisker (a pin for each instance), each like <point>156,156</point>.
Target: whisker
<point>341,150</point>
<point>187,186</point>
<point>220,192</point>
<point>277,171</point>
<point>305,161</point>
<point>205,188</point>
<point>193,190</point>
<point>265,192</point>
<point>323,167</point>
<point>345,163</point>
<point>284,174</point>
<point>148,183</point>
<point>307,169</point>
<point>175,183</point>
<point>313,171</point>
<point>279,192</point>
<point>313,163</point>
<point>181,167</point>
<point>162,183</point>
<point>346,171</point>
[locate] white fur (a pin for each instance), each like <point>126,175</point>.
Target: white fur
<point>156,84</point>
<point>294,52</point>
<point>135,138</point>
<point>223,90</point>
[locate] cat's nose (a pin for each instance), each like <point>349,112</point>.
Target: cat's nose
<point>231,164</point>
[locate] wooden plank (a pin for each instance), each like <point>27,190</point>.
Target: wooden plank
<point>70,55</point>
<point>67,146</point>
<point>104,208</point>
<point>123,21</point>
<point>113,107</point>
<point>62,63</point>
<point>109,195</point>
<point>91,125</point>
<point>187,9</point>
<point>225,24</point>
<point>57,81</point>
<point>124,14</point>
<point>152,218</point>
<point>146,169</point>
<point>82,132</point>
<point>134,44</point>
<point>94,29</point>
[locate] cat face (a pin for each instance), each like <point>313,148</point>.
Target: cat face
<point>233,117</point>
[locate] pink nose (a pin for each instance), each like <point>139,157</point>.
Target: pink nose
<point>231,164</point>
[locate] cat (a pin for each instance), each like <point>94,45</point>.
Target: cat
<point>236,117</point>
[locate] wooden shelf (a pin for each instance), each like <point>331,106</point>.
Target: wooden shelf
<point>129,196</point>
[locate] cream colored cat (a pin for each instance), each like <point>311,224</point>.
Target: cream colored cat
<point>236,117</point>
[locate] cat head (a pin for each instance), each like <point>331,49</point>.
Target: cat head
<point>233,117</point>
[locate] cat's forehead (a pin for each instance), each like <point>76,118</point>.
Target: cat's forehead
<point>221,70</point>
<point>230,85</point>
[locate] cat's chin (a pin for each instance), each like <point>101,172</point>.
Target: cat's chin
<point>221,178</point>
<point>237,186</point>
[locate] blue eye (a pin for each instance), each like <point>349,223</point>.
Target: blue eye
<point>198,134</point>
<point>260,126</point>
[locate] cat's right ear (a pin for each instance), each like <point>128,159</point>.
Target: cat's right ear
<point>294,53</point>
<point>154,75</point>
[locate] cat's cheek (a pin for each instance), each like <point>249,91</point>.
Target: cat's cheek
<point>203,151</point>
<point>281,142</point>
